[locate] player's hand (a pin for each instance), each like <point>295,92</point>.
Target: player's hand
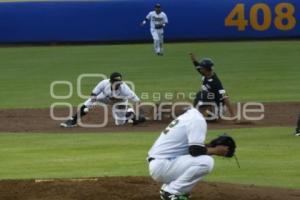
<point>143,23</point>
<point>193,58</point>
<point>221,150</point>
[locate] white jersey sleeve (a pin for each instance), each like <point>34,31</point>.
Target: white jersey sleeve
<point>148,17</point>
<point>165,18</point>
<point>100,87</point>
<point>127,93</point>
<point>196,132</point>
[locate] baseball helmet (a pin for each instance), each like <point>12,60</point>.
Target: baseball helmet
<point>206,63</point>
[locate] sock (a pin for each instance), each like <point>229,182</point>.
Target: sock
<point>81,114</point>
<point>156,46</point>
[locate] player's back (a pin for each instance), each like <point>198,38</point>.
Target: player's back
<point>176,138</point>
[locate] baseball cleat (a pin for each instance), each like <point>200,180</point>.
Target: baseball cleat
<point>68,124</point>
<point>168,196</point>
<point>297,134</point>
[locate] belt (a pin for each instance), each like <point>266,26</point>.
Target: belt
<point>150,159</point>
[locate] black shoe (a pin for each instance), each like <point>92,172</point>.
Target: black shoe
<point>168,196</point>
<point>68,124</point>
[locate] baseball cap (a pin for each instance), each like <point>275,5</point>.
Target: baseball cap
<point>157,5</point>
<point>203,97</point>
<point>205,63</point>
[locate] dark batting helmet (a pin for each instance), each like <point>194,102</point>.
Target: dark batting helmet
<point>206,63</point>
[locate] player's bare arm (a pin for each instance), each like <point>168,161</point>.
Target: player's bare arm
<point>229,106</point>
<point>194,60</point>
<point>192,55</point>
<point>219,150</point>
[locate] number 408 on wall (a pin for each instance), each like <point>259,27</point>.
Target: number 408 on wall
<point>284,19</point>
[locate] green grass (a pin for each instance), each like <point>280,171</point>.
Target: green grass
<point>268,156</point>
<point>256,71</point>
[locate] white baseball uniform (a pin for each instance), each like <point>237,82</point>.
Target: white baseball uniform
<point>157,34</point>
<point>171,162</point>
<point>121,96</point>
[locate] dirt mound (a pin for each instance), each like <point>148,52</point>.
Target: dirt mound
<point>131,188</point>
<point>39,120</point>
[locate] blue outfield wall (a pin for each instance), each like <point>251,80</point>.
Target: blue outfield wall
<point>118,20</point>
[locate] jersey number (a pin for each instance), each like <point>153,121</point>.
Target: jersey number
<point>171,125</point>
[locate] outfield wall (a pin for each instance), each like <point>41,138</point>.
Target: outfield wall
<point>118,20</point>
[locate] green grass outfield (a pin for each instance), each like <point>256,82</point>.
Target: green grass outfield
<point>265,71</point>
<point>256,71</point>
<point>268,156</point>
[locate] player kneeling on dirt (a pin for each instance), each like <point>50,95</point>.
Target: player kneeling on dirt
<point>113,92</point>
<point>179,158</point>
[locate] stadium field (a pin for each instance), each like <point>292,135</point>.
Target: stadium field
<point>259,71</point>
<point>27,72</point>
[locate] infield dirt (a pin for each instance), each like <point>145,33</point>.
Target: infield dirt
<point>39,120</point>
<point>132,188</point>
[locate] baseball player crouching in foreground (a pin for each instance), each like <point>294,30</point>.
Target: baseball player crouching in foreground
<point>158,21</point>
<point>179,158</point>
<point>111,92</point>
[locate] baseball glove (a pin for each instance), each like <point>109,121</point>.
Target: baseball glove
<point>159,26</point>
<point>225,140</point>
<point>139,119</point>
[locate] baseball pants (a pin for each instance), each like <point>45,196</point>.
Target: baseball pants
<point>158,39</point>
<point>181,174</point>
<point>119,110</point>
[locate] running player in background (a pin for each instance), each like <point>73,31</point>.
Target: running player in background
<point>158,20</point>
